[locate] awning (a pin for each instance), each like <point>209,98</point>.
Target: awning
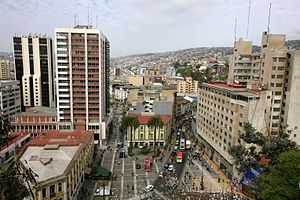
<point>88,170</point>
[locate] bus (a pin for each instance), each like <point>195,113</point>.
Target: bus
<point>182,144</point>
<point>179,157</point>
<point>188,144</point>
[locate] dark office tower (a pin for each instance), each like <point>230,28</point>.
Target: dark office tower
<point>34,70</point>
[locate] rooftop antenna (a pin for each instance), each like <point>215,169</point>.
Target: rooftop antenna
<point>75,19</point>
<point>88,12</point>
<point>248,19</point>
<point>269,18</point>
<point>96,21</point>
<point>235,28</point>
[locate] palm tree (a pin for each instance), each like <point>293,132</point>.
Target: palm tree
<point>133,123</point>
<point>155,122</point>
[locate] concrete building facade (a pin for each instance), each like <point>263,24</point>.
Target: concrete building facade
<point>82,71</point>
<point>5,70</point>
<point>187,86</point>
<point>222,111</point>
<point>34,70</point>
<point>10,100</point>
<point>35,120</point>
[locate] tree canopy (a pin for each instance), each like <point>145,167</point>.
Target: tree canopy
<point>155,122</point>
<point>281,181</point>
<point>133,123</point>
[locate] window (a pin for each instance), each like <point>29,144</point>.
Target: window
<point>44,192</point>
<point>274,59</point>
<point>52,189</point>
<point>278,84</point>
<point>277,93</point>
<point>273,76</point>
<point>279,76</point>
<point>59,187</point>
<point>274,68</point>
<point>280,68</point>
<point>281,59</point>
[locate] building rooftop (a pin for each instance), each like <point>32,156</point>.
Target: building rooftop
<point>48,163</point>
<point>39,111</point>
<point>49,154</point>
<point>143,119</point>
<point>62,138</point>
<point>13,138</point>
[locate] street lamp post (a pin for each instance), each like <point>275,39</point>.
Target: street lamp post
<point>202,181</point>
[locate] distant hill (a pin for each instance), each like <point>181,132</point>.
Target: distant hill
<point>294,44</point>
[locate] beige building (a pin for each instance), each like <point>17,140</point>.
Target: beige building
<point>151,75</point>
<point>222,111</point>
<point>5,70</point>
<point>144,135</point>
<point>136,80</point>
<point>10,100</point>
<point>276,69</point>
<point>59,161</point>
<point>188,86</point>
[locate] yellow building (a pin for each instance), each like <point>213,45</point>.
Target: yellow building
<point>188,86</point>
<point>58,162</point>
<point>136,80</point>
<point>144,135</point>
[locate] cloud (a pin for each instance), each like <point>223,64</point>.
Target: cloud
<point>135,26</point>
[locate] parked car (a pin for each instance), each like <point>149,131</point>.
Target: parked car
<point>138,166</point>
<point>161,175</point>
<point>171,167</point>
<point>149,188</point>
<point>177,142</point>
<point>166,166</point>
<point>173,154</point>
<point>175,148</point>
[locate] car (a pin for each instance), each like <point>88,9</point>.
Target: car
<point>177,142</point>
<point>175,148</point>
<point>171,167</point>
<point>178,133</point>
<point>149,188</point>
<point>138,166</point>
<point>161,175</point>
<point>166,166</point>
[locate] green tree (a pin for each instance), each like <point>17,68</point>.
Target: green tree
<point>281,181</point>
<point>12,184</point>
<point>133,123</point>
<point>5,129</point>
<point>155,122</point>
<point>259,146</point>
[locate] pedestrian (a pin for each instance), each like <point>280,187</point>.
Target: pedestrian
<point>119,163</point>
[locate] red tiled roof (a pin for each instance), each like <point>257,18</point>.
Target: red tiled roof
<point>225,85</point>
<point>144,119</point>
<point>13,138</point>
<point>73,138</point>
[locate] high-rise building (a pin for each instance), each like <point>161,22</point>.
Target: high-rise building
<point>34,70</point>
<point>221,113</point>
<point>5,70</point>
<point>10,100</point>
<point>274,68</point>
<point>82,79</point>
<point>262,89</point>
<point>187,86</point>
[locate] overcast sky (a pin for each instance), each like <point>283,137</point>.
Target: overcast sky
<point>140,26</point>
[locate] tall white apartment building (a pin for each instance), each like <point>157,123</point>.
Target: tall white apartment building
<point>82,80</point>
<point>10,100</point>
<point>34,70</point>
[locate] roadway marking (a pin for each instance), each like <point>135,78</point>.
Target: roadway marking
<point>122,178</point>
<point>94,190</point>
<point>134,178</point>
<point>147,178</point>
